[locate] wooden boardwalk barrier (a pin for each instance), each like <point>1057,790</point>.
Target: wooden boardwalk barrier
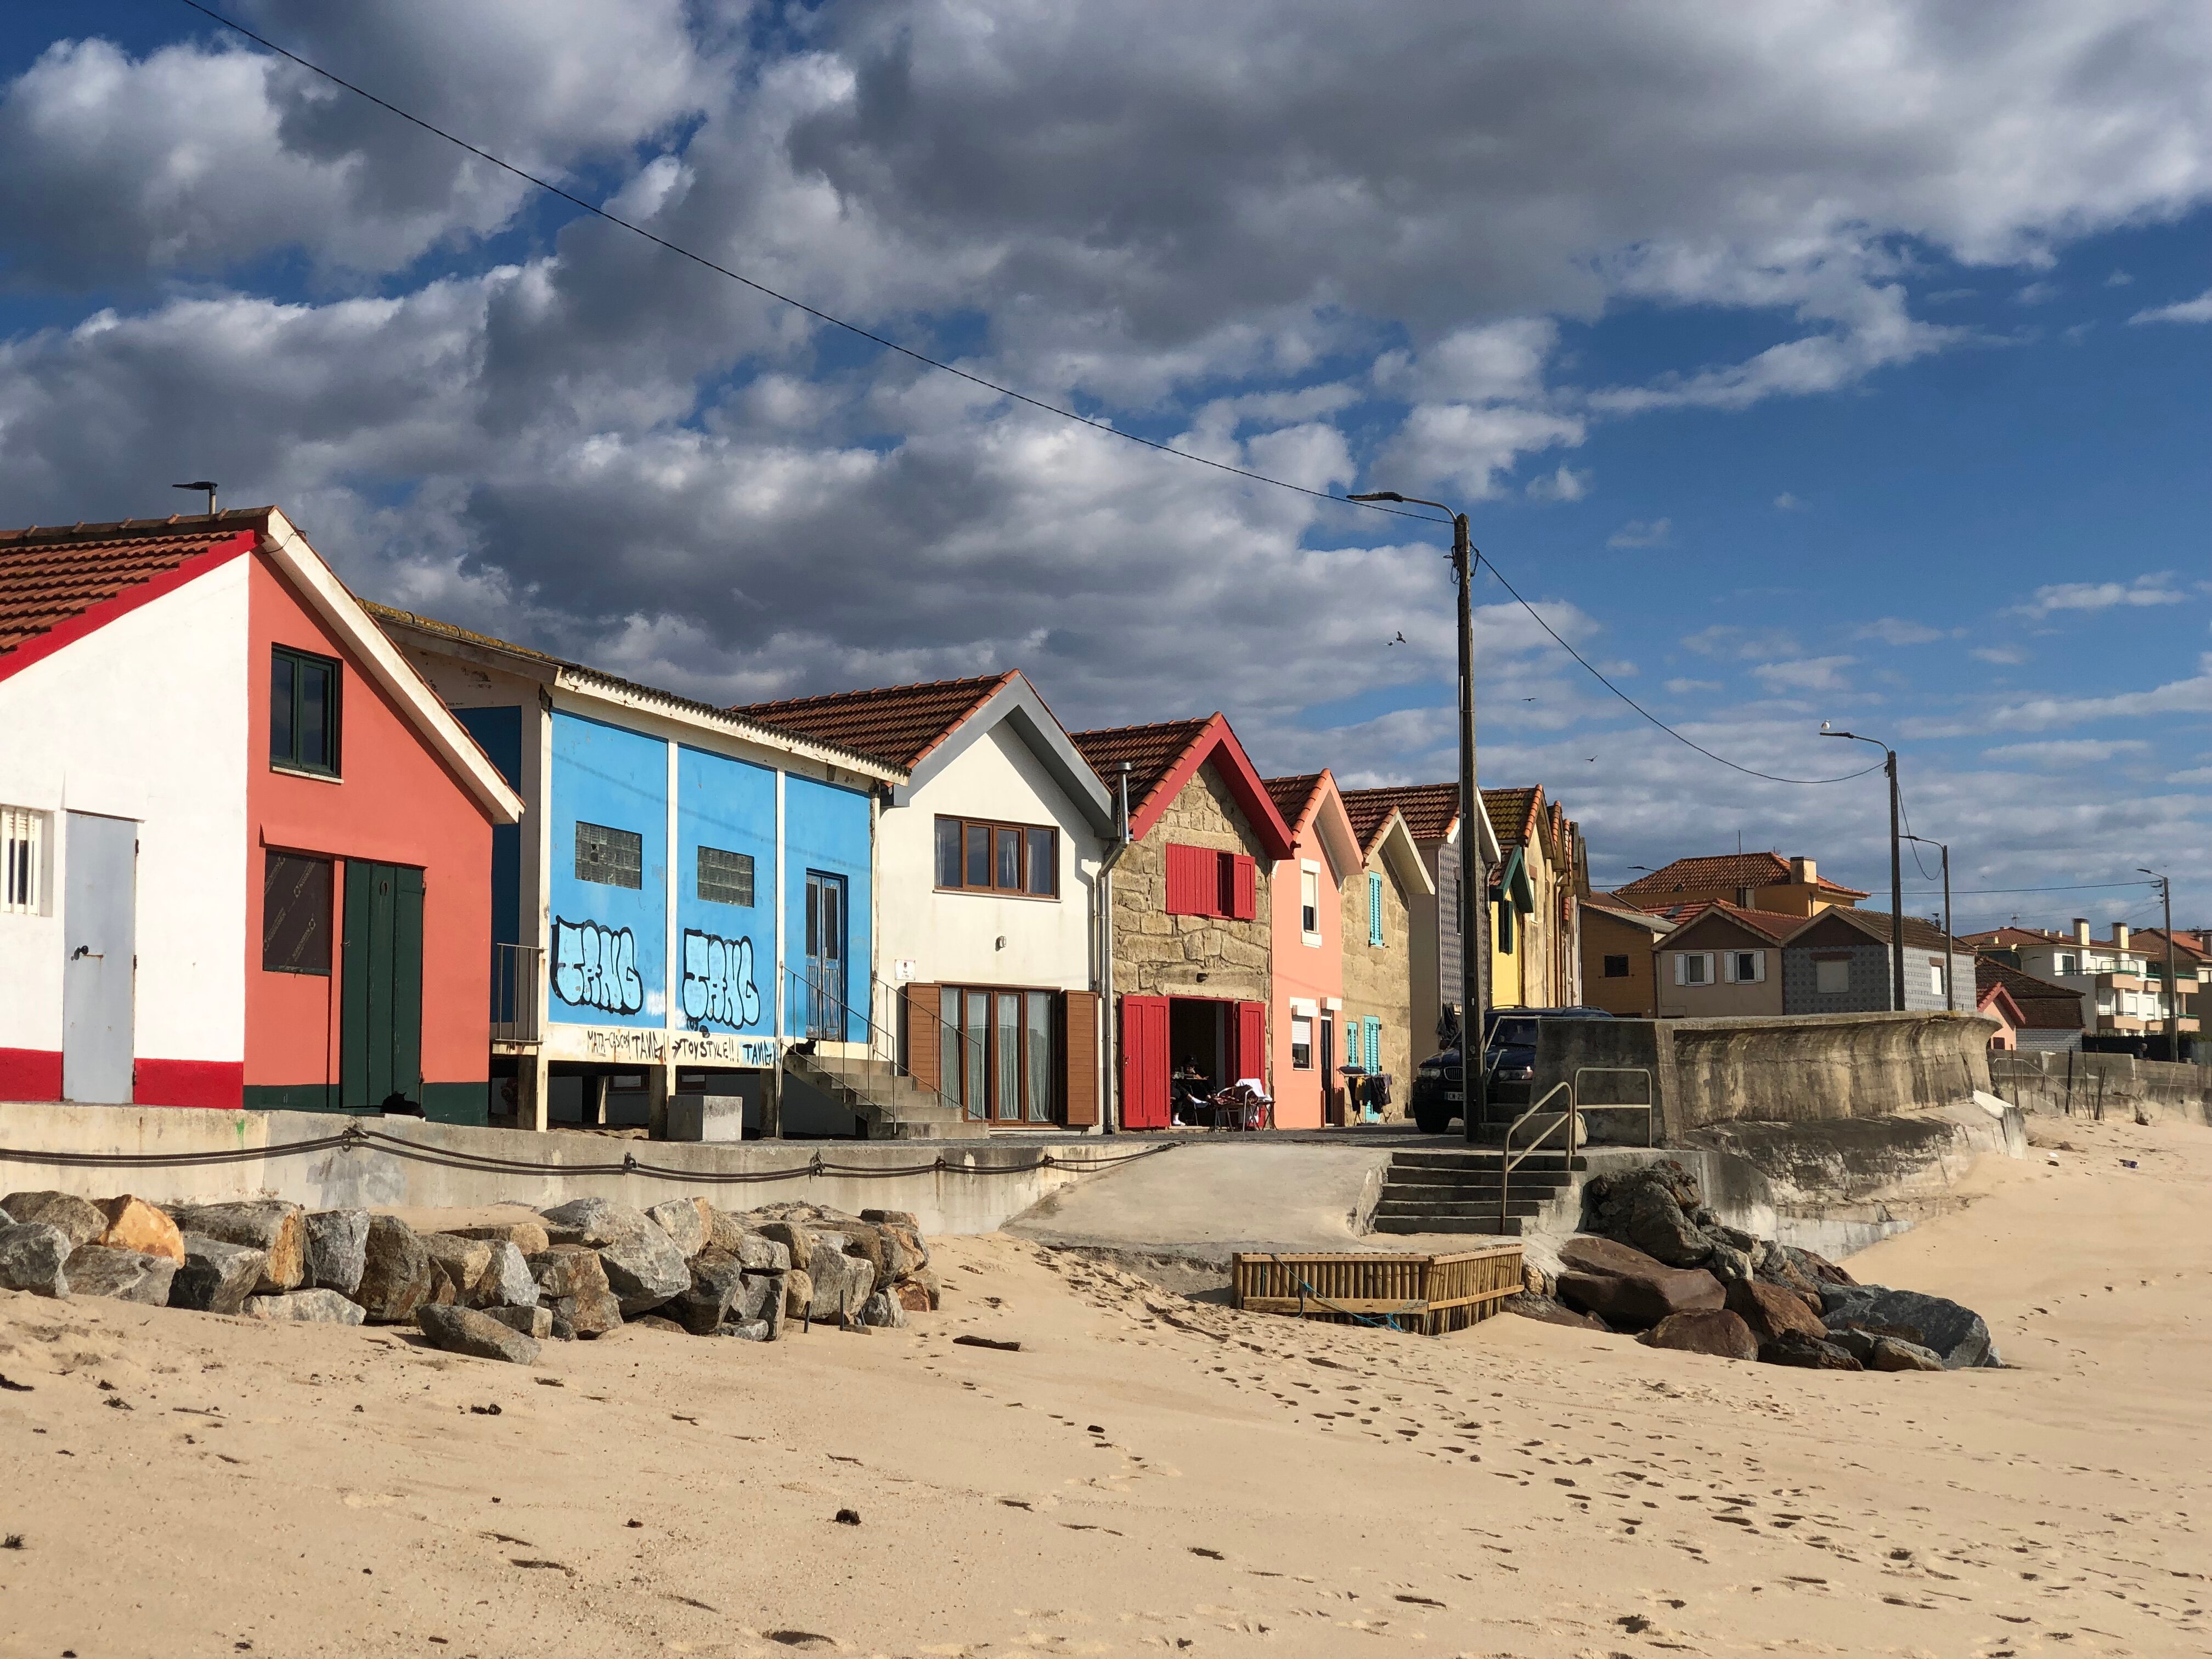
<point>1431,1294</point>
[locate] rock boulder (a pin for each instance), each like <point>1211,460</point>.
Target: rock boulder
<point>273,1226</point>
<point>1808,1353</point>
<point>1891,1353</point>
<point>135,1224</point>
<point>79,1218</point>
<point>319,1306</point>
<point>535,1322</point>
<point>1770,1309</point>
<point>1627,1288</point>
<point>685,1220</point>
<point>572,1283</point>
<point>463,1330</point>
<point>882,1309</point>
<point>795,1239</point>
<point>1546,1310</point>
<point>591,1221</point>
<point>716,1278</point>
<point>337,1249</point>
<point>34,1257</point>
<point>644,1269</point>
<point>125,1275</point>
<point>217,1275</point>
<point>1714,1331</point>
<point>456,1264</point>
<point>1956,1332</point>
<point>396,1272</point>
<point>841,1285</point>
<point>528,1237</point>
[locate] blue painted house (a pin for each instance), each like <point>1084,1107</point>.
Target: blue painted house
<point>689,893</point>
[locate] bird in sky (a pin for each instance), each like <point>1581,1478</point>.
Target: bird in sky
<point>1401,640</point>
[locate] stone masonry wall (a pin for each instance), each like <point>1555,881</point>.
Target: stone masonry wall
<point>1156,954</point>
<point>1378,982</point>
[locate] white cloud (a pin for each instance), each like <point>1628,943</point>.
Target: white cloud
<point>2199,310</point>
<point>1896,630</point>
<point>2007,656</point>
<point>1726,640</point>
<point>2119,279</point>
<point>1788,503</point>
<point>1684,688</point>
<point>1641,532</point>
<point>1564,485</point>
<point>2192,696</point>
<point>1806,674</point>
<point>2036,293</point>
<point>2067,751</point>
<point>2158,588</point>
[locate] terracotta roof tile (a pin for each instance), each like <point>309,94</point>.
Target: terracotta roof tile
<point>53,575</point>
<point>1919,934</point>
<point>1151,751</point>
<point>1293,795</point>
<point>1723,874</point>
<point>897,724</point>
<point>1512,813</point>
<point>1771,923</point>
<point>2047,1007</point>
<point>1370,817</point>
<point>1431,808</point>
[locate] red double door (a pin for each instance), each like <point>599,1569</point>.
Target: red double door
<point>1147,1101</point>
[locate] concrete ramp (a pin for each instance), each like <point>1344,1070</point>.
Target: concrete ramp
<point>1203,1202</point>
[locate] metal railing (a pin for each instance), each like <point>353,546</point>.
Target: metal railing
<point>848,1044</point>
<point>518,994</point>
<point>1571,1117</point>
<point>1649,1105</point>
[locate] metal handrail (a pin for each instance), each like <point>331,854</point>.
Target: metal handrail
<point>1648,1106</point>
<point>880,1072</point>
<point>1507,1163</point>
<point>947,1032</point>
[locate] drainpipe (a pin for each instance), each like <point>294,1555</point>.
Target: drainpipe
<point>1109,1016</point>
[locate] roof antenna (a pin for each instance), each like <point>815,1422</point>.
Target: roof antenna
<point>207,484</point>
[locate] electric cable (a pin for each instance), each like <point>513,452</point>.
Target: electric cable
<point>973,379</point>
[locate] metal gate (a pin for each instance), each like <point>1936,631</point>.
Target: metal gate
<point>100,935</point>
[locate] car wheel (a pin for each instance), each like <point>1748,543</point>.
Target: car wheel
<point>1432,1120</point>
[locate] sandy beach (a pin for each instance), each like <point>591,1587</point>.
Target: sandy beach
<point>1151,1474</point>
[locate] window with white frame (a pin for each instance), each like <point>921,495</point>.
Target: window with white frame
<point>1936,978</point>
<point>1693,966</point>
<point>1301,1043</point>
<point>22,861</point>
<point>1746,966</point>
<point>2068,964</point>
<point>1831,978</point>
<point>1309,901</point>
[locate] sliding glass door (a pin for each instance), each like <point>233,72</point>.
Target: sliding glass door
<point>998,1056</point>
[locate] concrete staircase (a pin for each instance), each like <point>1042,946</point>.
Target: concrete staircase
<point>890,1106</point>
<point>1457,1192</point>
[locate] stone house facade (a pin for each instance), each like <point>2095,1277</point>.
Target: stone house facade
<point>1190,946</point>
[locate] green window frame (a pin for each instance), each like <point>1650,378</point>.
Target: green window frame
<point>304,694</point>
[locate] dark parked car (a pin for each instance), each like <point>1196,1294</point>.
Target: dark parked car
<point>1509,1057</point>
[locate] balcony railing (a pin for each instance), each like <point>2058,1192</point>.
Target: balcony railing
<point>518,994</point>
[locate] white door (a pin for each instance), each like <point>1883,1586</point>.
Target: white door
<point>99,908</point>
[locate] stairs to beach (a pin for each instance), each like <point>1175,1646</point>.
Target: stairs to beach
<point>1458,1192</point>
<point>889,1105</point>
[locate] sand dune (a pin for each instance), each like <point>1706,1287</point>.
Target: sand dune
<point>1151,1474</point>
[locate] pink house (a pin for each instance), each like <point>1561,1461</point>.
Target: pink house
<point>1308,951</point>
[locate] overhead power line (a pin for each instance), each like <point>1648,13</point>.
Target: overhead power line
<point>1042,404</point>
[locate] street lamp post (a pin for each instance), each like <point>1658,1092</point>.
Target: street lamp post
<point>1896,873</point>
<point>1472,892</point>
<point>2172,994</point>
<point>1950,1004</point>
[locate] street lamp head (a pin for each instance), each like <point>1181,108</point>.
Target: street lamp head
<point>1377,496</point>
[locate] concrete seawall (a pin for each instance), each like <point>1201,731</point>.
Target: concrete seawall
<point>2080,1083</point>
<point>981,1184</point>
<point>1801,1068</point>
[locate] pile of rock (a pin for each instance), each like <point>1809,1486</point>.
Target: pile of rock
<point>581,1269</point>
<point>1654,1259</point>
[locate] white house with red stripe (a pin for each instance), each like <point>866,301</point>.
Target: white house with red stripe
<point>245,850</point>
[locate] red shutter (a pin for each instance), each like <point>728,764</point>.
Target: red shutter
<point>1251,1041</point>
<point>1188,889</point>
<point>1144,1062</point>
<point>1247,885</point>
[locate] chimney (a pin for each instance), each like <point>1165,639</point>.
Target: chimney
<point>2081,930</point>
<point>2119,936</point>
<point>1805,871</point>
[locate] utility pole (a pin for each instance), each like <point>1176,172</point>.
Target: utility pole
<point>2172,994</point>
<point>1472,891</point>
<point>1950,1002</point>
<point>1896,874</point>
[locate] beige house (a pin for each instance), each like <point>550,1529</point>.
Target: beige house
<point>1619,971</point>
<point>1722,961</point>
<point>1380,920</point>
<point>1191,916</point>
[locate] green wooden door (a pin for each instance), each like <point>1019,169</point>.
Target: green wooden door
<point>380,1029</point>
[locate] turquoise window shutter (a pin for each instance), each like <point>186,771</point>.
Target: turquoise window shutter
<point>1373,1029</point>
<point>1351,1044</point>
<point>1374,908</point>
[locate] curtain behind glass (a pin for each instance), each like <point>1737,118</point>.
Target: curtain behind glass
<point>1040,1056</point>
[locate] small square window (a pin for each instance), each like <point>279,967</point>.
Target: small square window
<point>22,859</point>
<point>613,858</point>
<point>1301,1043</point>
<point>726,877</point>
<point>1831,979</point>
<point>1616,967</point>
<point>295,914</point>
<point>303,712</point>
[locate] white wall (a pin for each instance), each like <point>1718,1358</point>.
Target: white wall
<point>144,718</point>
<point>952,938</point>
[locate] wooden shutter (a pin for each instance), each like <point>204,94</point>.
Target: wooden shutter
<point>920,1042</point>
<point>1190,881</point>
<point>1245,884</point>
<point>1078,1057</point>
<point>1144,1062</point>
<point>1251,1041</point>
<point>1374,908</point>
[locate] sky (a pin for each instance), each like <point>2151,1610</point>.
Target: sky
<point>1810,362</point>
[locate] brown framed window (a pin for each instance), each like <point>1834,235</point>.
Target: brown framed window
<point>998,1054</point>
<point>975,855</point>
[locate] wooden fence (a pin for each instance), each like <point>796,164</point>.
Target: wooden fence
<point>1431,1294</point>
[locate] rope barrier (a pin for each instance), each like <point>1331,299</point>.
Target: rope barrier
<point>366,1139</point>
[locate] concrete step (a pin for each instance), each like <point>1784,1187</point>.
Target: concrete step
<point>1481,1158</point>
<point>1435,1210</point>
<point>1473,1193</point>
<point>1509,1228</point>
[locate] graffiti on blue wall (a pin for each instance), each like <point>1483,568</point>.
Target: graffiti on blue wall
<point>596,967</point>
<point>718,980</point>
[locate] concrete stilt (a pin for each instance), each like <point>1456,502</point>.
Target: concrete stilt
<point>533,1090</point>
